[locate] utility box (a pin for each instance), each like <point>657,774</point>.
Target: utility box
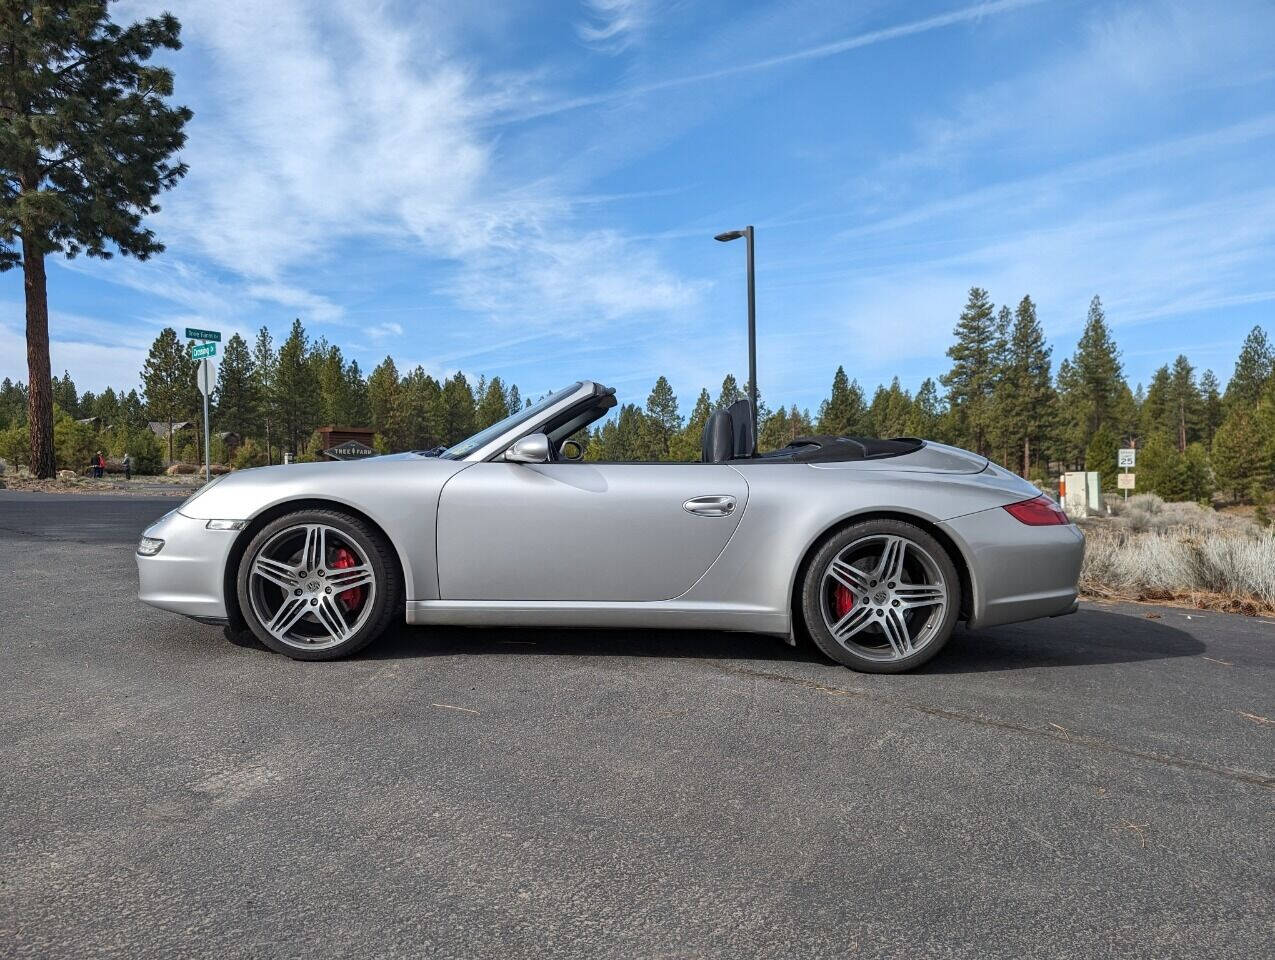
<point>1082,493</point>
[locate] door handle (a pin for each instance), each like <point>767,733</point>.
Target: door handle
<point>713,506</point>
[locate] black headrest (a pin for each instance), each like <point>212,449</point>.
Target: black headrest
<point>728,434</point>
<point>718,444</point>
<point>741,418</point>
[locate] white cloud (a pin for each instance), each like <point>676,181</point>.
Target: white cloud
<point>613,25</point>
<point>969,14</point>
<point>1133,63</point>
<point>95,352</point>
<point>318,131</point>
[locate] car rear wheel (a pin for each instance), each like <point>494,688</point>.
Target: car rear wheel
<point>318,585</point>
<point>881,596</point>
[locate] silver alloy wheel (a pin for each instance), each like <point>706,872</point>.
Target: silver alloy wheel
<point>898,597</point>
<point>301,583</point>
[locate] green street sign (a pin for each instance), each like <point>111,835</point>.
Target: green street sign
<point>202,350</point>
<point>194,333</point>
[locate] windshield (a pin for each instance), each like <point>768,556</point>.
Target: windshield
<point>525,415</point>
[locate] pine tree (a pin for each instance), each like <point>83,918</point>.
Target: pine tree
<point>418,416</point>
<point>265,366</point>
<point>926,412</point>
<point>970,380</point>
<point>624,437</point>
<point>1100,456</point>
<point>1239,459</point>
<point>236,393</point>
<point>168,377</point>
<point>775,431</point>
<point>1186,406</point>
<point>1091,385</point>
<point>296,394</point>
<point>385,405</point>
<point>133,412</point>
<point>730,392</point>
<point>891,411</point>
<point>64,394</point>
<point>663,418</point>
<point>458,409</point>
<point>1025,393</point>
<point>88,141</point>
<point>513,399</point>
<point>107,406</point>
<point>356,392</point>
<point>1211,411</point>
<point>1157,408</point>
<point>13,407</point>
<point>844,413</point>
<point>685,447</point>
<point>1253,369</point>
<point>1157,466</point>
<point>493,405</point>
<point>328,369</point>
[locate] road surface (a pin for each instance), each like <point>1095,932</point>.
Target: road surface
<point>1096,785</point>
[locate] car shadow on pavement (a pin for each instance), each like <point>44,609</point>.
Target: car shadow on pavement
<point>1086,638</point>
<point>585,642</point>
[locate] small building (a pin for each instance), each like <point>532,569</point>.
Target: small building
<point>160,428</point>
<point>346,443</point>
<point>231,439</point>
<point>94,422</point>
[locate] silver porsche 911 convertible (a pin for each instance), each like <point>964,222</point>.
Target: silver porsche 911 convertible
<point>872,548</point>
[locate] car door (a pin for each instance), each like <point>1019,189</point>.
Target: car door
<point>583,531</point>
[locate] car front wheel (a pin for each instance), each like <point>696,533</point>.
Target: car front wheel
<point>881,596</point>
<point>318,584</point>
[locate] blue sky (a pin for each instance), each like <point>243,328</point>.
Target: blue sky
<point>530,189</point>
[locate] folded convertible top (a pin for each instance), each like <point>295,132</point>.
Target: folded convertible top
<point>829,449</point>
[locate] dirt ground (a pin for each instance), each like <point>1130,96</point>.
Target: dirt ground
<point>138,486</point>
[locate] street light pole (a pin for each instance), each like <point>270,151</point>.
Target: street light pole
<point>747,234</point>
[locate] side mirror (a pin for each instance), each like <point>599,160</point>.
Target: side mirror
<point>533,448</point>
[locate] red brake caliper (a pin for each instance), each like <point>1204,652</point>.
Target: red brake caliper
<point>842,600</point>
<point>341,559</point>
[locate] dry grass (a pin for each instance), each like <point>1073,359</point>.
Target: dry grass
<point>1151,550</point>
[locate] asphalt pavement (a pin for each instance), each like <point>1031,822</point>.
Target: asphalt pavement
<point>1097,785</point>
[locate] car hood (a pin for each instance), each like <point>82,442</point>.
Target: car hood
<point>360,483</point>
<point>931,458</point>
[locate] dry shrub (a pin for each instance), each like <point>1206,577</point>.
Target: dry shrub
<point>1194,554</point>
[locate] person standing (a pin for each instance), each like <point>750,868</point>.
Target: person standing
<point>99,465</point>
<point>128,467</point>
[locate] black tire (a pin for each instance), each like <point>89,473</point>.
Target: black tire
<point>385,601</point>
<point>879,603</point>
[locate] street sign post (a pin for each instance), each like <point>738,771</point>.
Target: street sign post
<point>1126,457</point>
<point>204,353</point>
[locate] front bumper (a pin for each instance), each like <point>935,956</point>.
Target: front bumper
<point>1018,572</point>
<point>187,576</point>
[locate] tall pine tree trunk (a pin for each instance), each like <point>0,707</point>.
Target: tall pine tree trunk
<point>1027,456</point>
<point>39,382</point>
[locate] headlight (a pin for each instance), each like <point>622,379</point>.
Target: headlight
<point>149,546</point>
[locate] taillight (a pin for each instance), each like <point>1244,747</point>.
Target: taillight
<point>1037,512</point>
